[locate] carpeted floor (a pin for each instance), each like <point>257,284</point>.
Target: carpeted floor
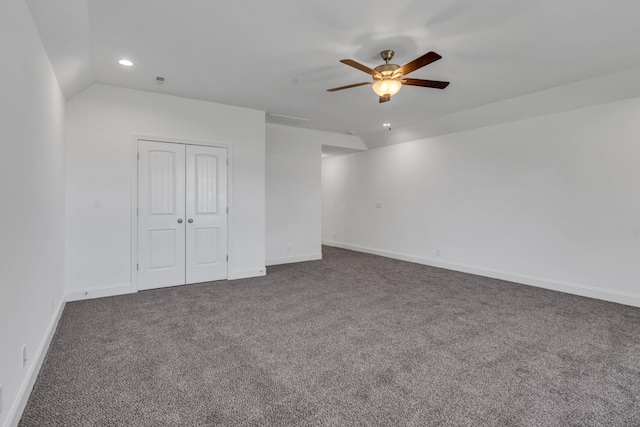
<point>353,339</point>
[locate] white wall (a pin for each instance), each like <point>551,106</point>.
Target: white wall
<point>32,194</point>
<point>551,201</point>
<point>293,196</point>
<point>100,127</point>
<point>294,191</point>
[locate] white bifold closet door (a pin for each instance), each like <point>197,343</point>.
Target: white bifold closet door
<point>182,214</point>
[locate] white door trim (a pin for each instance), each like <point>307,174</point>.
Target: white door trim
<point>134,196</point>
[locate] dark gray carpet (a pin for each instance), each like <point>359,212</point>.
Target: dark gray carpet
<point>353,339</point>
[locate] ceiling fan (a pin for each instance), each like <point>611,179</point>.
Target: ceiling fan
<point>388,79</point>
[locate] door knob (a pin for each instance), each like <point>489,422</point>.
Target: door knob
<point>189,220</point>
<point>180,221</point>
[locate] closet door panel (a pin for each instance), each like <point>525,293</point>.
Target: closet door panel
<point>206,211</point>
<point>161,213</point>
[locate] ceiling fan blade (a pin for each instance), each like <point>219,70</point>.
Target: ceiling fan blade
<point>354,64</point>
<point>425,83</point>
<point>384,98</point>
<point>349,86</point>
<point>425,59</point>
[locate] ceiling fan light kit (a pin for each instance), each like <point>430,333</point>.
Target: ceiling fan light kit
<point>387,86</point>
<point>388,78</point>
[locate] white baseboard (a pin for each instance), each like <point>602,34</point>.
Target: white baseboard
<point>295,258</point>
<point>245,274</point>
<point>15,413</point>
<point>99,292</point>
<point>540,282</point>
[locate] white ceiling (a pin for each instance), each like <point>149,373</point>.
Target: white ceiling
<point>281,56</point>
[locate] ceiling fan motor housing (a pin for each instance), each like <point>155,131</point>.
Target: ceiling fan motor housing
<point>387,70</point>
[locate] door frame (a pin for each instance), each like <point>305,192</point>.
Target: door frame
<point>134,196</point>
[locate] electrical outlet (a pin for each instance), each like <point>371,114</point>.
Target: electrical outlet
<point>439,252</point>
<point>335,236</point>
<point>52,303</point>
<point>288,249</point>
<point>24,355</point>
<point>378,205</point>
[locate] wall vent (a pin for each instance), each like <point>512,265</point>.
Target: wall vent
<point>161,80</point>
<point>286,120</point>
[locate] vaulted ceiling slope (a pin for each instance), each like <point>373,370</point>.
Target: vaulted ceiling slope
<point>505,59</point>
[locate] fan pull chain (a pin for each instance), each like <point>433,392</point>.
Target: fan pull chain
<point>388,121</point>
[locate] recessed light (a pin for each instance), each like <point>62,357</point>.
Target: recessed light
<point>387,125</point>
<point>125,62</point>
